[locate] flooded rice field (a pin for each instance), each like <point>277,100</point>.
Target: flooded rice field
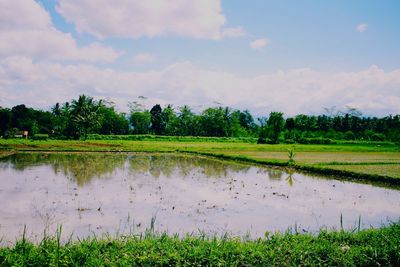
<point>93,194</point>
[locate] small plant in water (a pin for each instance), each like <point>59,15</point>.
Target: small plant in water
<point>291,155</point>
<point>290,178</point>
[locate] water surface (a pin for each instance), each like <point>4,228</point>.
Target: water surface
<point>120,193</point>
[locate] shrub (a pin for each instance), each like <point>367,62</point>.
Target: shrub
<point>349,135</point>
<point>261,140</point>
<point>378,137</point>
<point>320,140</point>
<point>40,137</point>
<point>149,137</point>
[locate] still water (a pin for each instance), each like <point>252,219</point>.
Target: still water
<point>93,194</point>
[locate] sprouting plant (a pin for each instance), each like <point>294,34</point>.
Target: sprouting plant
<point>291,155</point>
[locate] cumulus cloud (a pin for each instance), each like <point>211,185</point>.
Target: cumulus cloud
<point>233,32</point>
<point>362,27</point>
<point>373,91</point>
<point>26,30</point>
<point>144,58</point>
<point>259,43</point>
<point>150,18</point>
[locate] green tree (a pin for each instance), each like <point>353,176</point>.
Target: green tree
<point>44,121</point>
<point>239,123</point>
<point>85,114</point>
<point>188,122</point>
<point>5,120</point>
<point>22,118</point>
<point>246,120</point>
<point>305,123</point>
<point>275,126</point>
<point>140,121</point>
<point>214,121</point>
<point>157,124</point>
<point>324,123</point>
<point>63,124</point>
<point>112,122</point>
<point>170,121</point>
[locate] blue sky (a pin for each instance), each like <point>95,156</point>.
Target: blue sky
<point>306,55</point>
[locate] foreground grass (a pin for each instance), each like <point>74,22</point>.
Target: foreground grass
<point>373,247</point>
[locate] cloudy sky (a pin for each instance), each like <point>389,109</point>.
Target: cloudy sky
<point>262,55</point>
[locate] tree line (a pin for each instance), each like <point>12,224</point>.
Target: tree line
<point>79,117</point>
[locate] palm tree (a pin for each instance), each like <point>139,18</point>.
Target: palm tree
<point>85,114</point>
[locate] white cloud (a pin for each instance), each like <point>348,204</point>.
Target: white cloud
<point>26,30</point>
<point>362,27</point>
<point>150,18</point>
<point>259,43</point>
<point>144,58</point>
<point>373,91</point>
<point>233,32</point>
<point>24,15</point>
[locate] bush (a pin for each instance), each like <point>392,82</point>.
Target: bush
<point>10,133</point>
<point>289,141</point>
<point>148,137</point>
<point>261,140</point>
<point>40,137</point>
<point>349,135</point>
<point>378,137</point>
<point>320,141</point>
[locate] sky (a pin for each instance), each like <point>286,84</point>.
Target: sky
<point>297,57</point>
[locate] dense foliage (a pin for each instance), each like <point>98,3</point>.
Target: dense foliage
<point>78,118</point>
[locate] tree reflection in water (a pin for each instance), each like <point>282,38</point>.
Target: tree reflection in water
<point>81,167</point>
<point>168,164</point>
<point>84,167</point>
<point>275,174</point>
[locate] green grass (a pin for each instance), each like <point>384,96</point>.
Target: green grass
<point>391,170</point>
<point>373,247</point>
<point>128,145</point>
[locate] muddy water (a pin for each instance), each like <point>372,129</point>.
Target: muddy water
<point>120,193</point>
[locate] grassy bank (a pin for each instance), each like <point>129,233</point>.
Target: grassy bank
<point>373,247</point>
<point>5,153</point>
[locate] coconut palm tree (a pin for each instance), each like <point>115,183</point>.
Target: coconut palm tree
<point>85,114</point>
